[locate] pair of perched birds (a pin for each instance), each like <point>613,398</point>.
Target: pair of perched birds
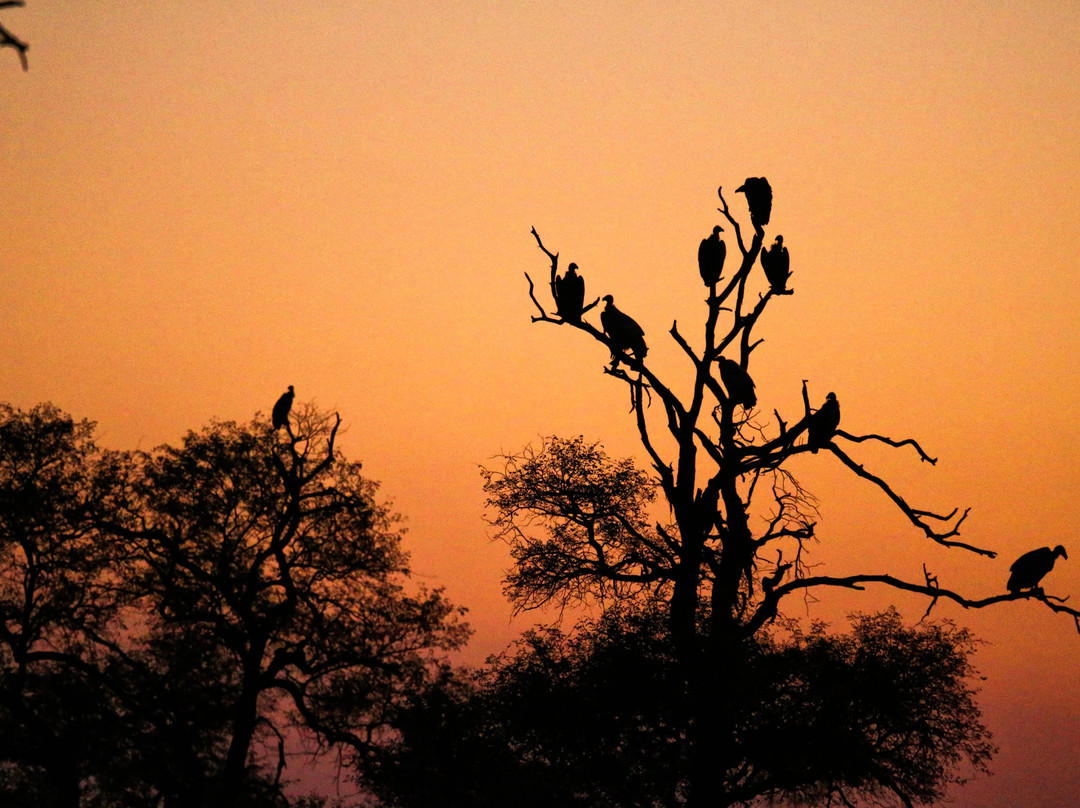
<point>622,329</point>
<point>820,427</point>
<point>775,260</point>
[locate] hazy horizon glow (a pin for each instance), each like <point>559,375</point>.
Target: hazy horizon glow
<point>205,203</point>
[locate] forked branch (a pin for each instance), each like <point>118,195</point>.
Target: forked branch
<point>916,517</point>
<point>908,441</point>
<point>554,258</point>
<point>8,39</point>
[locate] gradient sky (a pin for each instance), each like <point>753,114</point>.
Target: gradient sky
<point>204,202</point>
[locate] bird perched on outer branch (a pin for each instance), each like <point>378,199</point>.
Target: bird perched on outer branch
<point>1030,568</point>
<point>776,263</point>
<point>280,415</point>
<point>823,423</point>
<point>737,382</point>
<point>758,199</point>
<point>570,294</point>
<point>625,334</point>
<point>710,257</point>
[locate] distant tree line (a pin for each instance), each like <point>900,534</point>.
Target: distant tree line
<point>168,618</point>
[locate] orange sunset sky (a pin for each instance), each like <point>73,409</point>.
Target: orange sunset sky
<point>206,201</point>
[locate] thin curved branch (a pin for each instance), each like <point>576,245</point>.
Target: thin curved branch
<point>667,475</point>
<point>657,547</point>
<point>908,441</point>
<point>543,314</point>
<point>915,516</point>
<point>332,734</point>
<point>751,320</point>
<point>280,767</point>
<point>8,39</point>
<point>554,258</point>
<point>684,344</point>
<point>731,219</point>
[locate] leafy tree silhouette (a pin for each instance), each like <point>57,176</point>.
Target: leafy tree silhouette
<point>56,594</point>
<point>167,617</point>
<point>272,555</point>
<point>599,718</point>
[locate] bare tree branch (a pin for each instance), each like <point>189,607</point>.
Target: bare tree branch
<point>8,39</point>
<point>930,589</point>
<point>543,314</point>
<point>731,219</point>
<point>908,441</point>
<point>915,516</point>
<point>554,258</point>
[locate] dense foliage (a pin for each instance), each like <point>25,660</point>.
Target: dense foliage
<point>599,718</point>
<point>169,618</point>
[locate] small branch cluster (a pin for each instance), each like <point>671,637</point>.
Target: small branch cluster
<point>8,39</point>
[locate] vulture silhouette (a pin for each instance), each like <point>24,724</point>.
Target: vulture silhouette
<point>280,415</point>
<point>710,257</point>
<point>758,199</point>
<point>776,263</point>
<point>737,382</point>
<point>570,294</point>
<point>1030,568</point>
<point>823,423</point>
<point>625,334</point>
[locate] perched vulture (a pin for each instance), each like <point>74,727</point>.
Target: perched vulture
<point>775,262</point>
<point>280,416</point>
<point>710,257</point>
<point>570,295</point>
<point>823,423</point>
<point>624,333</point>
<point>1030,568</point>
<point>758,199</point>
<point>737,382</point>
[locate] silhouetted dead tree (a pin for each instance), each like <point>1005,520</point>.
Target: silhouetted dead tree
<point>723,579</point>
<point>709,421</point>
<point>8,39</point>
